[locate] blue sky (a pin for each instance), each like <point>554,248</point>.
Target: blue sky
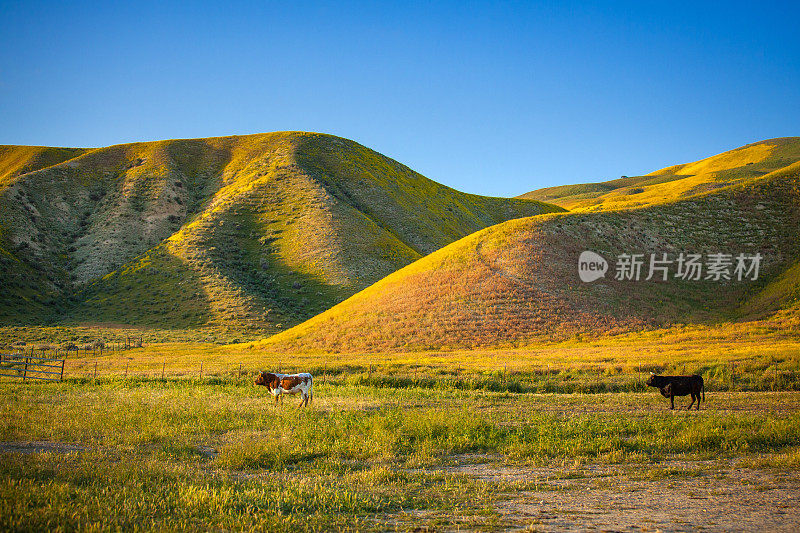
<point>494,98</point>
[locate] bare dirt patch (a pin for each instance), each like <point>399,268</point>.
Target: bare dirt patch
<point>669,496</point>
<point>40,447</point>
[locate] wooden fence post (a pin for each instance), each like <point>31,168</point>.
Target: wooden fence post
<point>201,371</point>
<point>775,380</point>
<point>25,370</point>
<point>61,378</point>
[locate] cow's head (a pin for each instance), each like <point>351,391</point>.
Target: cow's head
<point>267,379</point>
<point>655,380</point>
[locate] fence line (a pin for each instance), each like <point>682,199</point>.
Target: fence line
<point>98,347</point>
<point>93,369</point>
<point>546,378</point>
<point>31,367</point>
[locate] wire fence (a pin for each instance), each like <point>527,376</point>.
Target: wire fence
<point>94,349</point>
<point>721,376</point>
<point>31,367</point>
<point>87,369</point>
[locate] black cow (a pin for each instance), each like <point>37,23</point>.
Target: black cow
<point>672,386</point>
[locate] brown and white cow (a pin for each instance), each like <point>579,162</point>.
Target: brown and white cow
<point>279,384</point>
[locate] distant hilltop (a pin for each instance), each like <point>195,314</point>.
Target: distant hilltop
<point>678,181</point>
<point>259,232</point>
<point>517,282</point>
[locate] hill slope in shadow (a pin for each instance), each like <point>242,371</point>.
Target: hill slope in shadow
<point>259,231</point>
<point>517,282</point>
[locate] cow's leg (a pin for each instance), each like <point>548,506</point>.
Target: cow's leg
<point>303,399</point>
<point>691,404</point>
<point>672,402</point>
<point>698,401</point>
<point>276,399</point>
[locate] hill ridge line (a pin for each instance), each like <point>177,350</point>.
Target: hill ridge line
<point>520,277</point>
<point>254,232</point>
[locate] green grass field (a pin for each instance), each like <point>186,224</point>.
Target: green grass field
<point>750,356</point>
<point>403,441</point>
<point>189,456</point>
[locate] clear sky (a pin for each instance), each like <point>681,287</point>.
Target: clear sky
<point>494,98</point>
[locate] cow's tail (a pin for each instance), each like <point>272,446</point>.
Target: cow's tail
<point>311,391</point>
<point>703,388</point>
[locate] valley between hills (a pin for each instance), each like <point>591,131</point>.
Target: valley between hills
<point>311,241</point>
<point>248,234</point>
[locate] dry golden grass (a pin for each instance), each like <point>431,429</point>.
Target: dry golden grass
<point>677,181</point>
<point>761,355</point>
<point>17,160</point>
<point>516,283</point>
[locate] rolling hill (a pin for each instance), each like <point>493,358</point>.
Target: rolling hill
<point>678,181</point>
<point>258,232</point>
<point>517,282</point>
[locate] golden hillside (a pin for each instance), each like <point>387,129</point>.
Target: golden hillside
<point>678,181</point>
<point>258,231</point>
<point>17,160</point>
<point>517,282</point>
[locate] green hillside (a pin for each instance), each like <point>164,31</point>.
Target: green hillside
<point>517,282</point>
<point>678,181</point>
<point>17,160</point>
<point>258,231</point>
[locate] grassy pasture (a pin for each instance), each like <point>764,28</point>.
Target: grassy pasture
<point>186,456</point>
<point>746,356</point>
<point>438,440</point>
